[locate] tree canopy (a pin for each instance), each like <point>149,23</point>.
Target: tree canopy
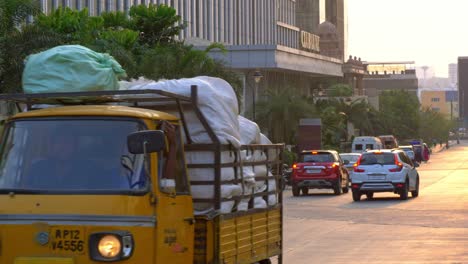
<point>145,42</point>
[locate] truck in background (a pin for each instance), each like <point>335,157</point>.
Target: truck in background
<point>309,134</point>
<point>389,141</point>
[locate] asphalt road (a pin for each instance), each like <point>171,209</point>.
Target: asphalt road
<point>432,228</point>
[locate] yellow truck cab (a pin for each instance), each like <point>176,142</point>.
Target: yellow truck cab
<point>96,177</point>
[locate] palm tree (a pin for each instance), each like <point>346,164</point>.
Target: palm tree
<point>357,113</point>
<point>155,53</point>
<point>280,112</point>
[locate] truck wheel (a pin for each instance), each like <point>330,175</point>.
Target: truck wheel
<point>404,192</point>
<point>370,195</point>
<point>305,191</point>
<point>356,196</point>
<point>337,188</point>
<point>415,193</point>
<point>295,190</point>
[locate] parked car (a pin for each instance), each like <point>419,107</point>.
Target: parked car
<point>361,144</point>
<point>319,169</point>
<point>352,158</point>
<point>385,171</point>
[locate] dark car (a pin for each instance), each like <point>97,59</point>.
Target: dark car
<point>319,169</point>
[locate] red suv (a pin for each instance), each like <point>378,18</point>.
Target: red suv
<point>319,169</point>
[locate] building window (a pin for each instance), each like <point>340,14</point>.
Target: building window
<point>435,99</point>
<point>436,109</point>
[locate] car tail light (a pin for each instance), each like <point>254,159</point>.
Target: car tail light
<point>356,165</point>
<point>297,168</point>
<point>398,164</point>
<point>356,169</point>
<point>334,165</point>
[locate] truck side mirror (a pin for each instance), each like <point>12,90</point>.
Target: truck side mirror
<point>153,140</point>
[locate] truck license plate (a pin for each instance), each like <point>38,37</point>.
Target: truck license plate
<point>67,240</point>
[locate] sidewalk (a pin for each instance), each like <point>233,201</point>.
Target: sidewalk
<point>438,148</point>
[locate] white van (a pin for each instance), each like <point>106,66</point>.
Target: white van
<point>361,144</point>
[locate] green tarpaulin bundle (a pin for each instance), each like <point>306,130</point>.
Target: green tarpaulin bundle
<point>71,68</point>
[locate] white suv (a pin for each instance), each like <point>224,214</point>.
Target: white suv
<point>385,171</point>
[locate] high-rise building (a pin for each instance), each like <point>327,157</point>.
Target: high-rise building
<point>453,74</point>
<point>278,39</point>
<point>463,89</point>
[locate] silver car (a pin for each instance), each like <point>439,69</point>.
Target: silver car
<point>385,171</point>
<point>349,160</point>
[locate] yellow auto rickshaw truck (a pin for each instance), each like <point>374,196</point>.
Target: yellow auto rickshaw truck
<point>96,177</point>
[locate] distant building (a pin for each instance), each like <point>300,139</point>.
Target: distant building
<point>463,89</point>
<point>389,76</point>
<point>435,83</point>
<point>453,74</point>
<point>444,101</point>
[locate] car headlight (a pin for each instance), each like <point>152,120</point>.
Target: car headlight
<point>110,246</point>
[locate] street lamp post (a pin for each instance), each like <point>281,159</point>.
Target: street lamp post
<point>257,78</point>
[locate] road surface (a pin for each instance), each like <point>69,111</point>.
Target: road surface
<point>433,228</point>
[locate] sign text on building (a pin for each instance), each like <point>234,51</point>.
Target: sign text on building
<point>310,41</point>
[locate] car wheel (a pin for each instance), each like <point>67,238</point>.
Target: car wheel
<point>415,193</point>
<point>404,192</point>
<point>346,188</point>
<point>370,195</point>
<point>265,261</point>
<point>305,191</point>
<point>356,196</point>
<point>295,190</point>
<point>337,188</point>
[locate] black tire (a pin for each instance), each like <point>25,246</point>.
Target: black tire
<point>415,193</point>
<point>265,261</point>
<point>295,190</point>
<point>404,192</point>
<point>356,196</point>
<point>370,195</point>
<point>337,188</point>
<point>346,188</point>
<point>305,190</point>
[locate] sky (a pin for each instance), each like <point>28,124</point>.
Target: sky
<point>430,32</point>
